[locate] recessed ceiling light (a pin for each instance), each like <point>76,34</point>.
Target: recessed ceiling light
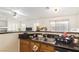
<point>55,10</point>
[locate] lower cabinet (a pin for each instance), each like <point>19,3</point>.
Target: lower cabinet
<point>46,48</point>
<point>33,46</point>
<point>24,46</point>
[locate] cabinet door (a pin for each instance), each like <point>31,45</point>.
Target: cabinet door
<point>34,46</point>
<point>46,48</point>
<point>24,45</point>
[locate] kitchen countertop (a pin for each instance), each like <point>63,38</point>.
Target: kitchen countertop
<point>32,32</point>
<point>76,34</point>
<point>11,32</point>
<point>51,32</point>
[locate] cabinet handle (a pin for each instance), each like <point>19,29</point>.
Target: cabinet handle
<point>35,48</point>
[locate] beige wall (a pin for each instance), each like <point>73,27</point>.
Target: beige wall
<point>73,21</point>
<point>9,42</point>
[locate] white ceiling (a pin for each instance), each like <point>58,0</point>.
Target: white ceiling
<point>39,12</point>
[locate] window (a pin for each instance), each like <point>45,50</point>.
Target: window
<point>60,25</point>
<point>3,26</point>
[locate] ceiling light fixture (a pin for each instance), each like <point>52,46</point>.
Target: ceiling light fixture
<point>15,12</point>
<point>47,7</point>
<point>54,9</point>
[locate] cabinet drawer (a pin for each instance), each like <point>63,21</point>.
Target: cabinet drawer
<point>46,47</point>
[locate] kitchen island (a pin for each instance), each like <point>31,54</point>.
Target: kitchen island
<point>29,44</point>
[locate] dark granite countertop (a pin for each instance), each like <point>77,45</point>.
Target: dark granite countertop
<point>37,32</point>
<point>53,32</point>
<point>11,32</point>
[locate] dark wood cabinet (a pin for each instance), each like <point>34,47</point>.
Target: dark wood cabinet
<point>46,48</point>
<point>24,45</point>
<point>33,46</point>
